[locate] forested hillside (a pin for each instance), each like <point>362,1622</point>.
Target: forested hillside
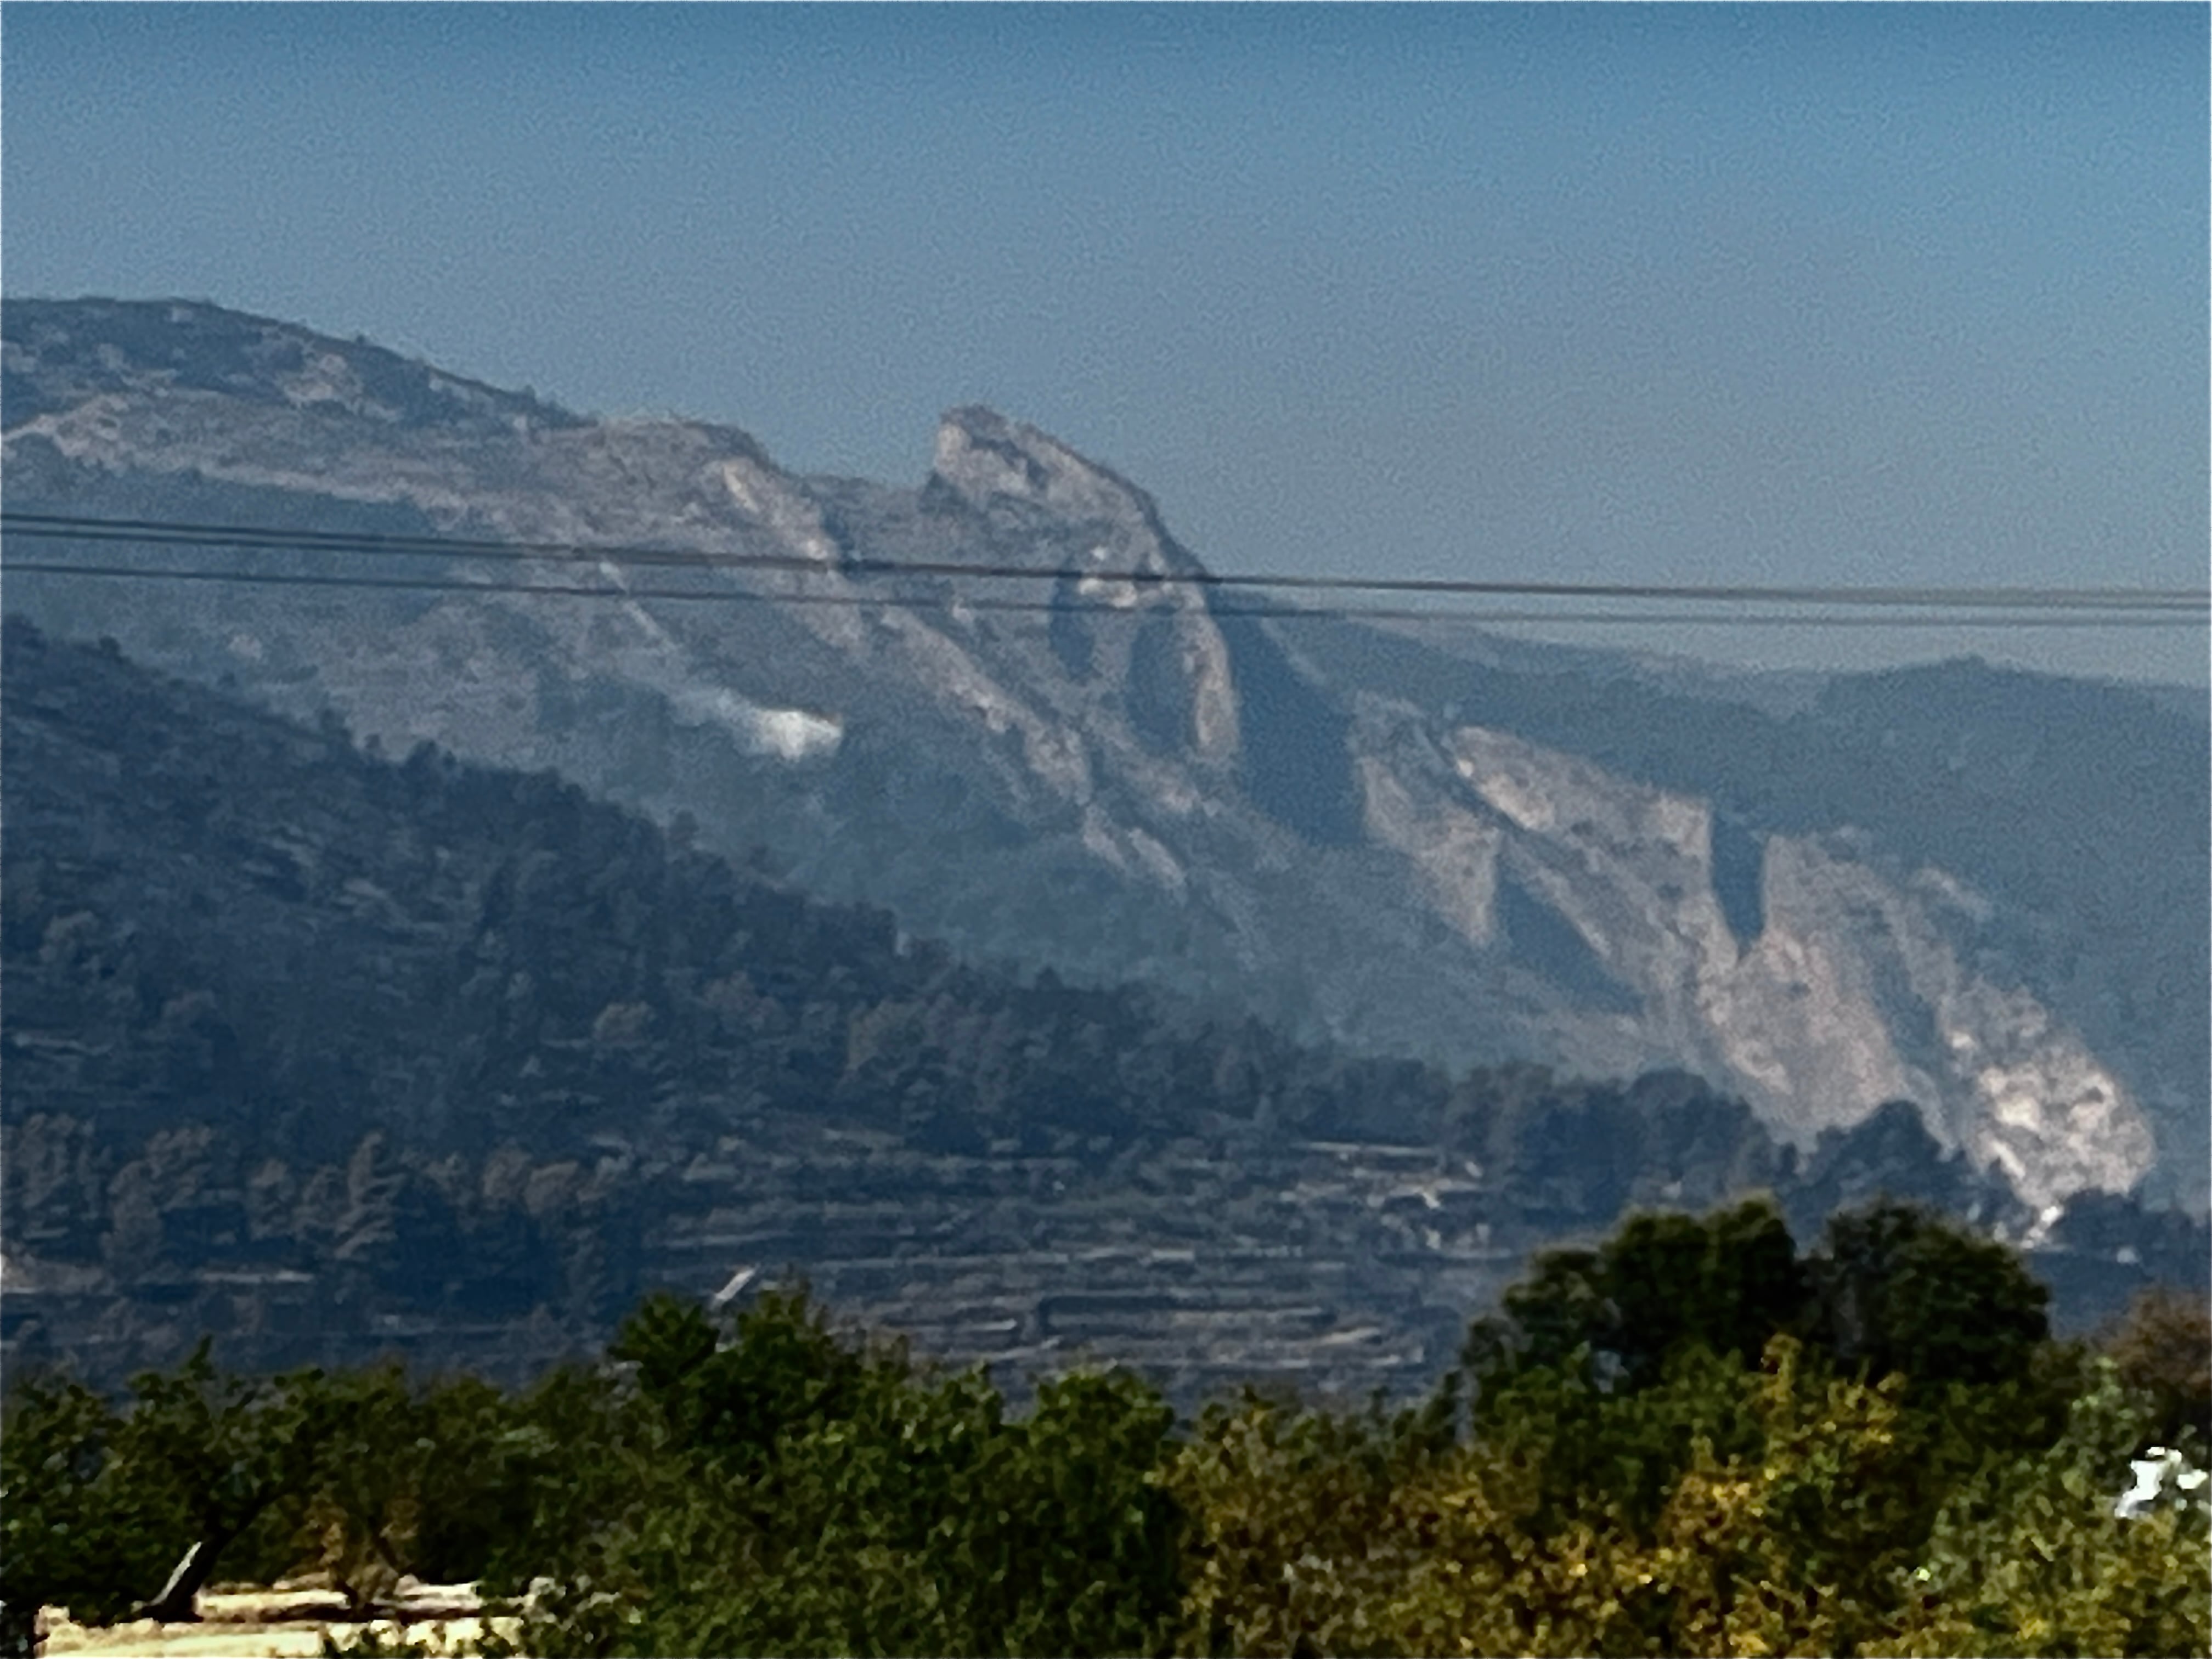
<point>332,1052</point>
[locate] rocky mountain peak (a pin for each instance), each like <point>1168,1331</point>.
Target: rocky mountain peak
<point>991,463</point>
<point>58,354</point>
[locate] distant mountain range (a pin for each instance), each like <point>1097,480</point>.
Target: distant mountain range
<point>1983,891</point>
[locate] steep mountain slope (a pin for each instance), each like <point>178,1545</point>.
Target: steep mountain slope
<point>1909,887</point>
<point>329,1054</point>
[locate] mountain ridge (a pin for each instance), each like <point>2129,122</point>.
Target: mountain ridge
<point>1294,816</point>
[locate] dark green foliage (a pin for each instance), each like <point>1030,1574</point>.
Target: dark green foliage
<point>68,1532</point>
<point>779,1371</point>
<point>202,1473</point>
<point>767,1485</point>
<point>1901,1289</point>
<point>111,1511</point>
<point>217,1450</point>
<point>1892,1287</point>
<point>1619,1453</point>
<point>1663,1285</point>
<point>590,1467</point>
<point>671,1341</point>
<point>1617,1364</point>
<point>401,1477</point>
<point>1086,1523</point>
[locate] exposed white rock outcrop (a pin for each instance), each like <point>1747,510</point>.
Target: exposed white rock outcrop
<point>792,734</point>
<point>1856,991</point>
<point>985,458</point>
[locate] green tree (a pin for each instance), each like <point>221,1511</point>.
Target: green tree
<point>111,1511</point>
<point>1726,1282</point>
<point>731,1395</point>
<point>1771,1550</point>
<point>221,1449</point>
<point>777,1487</point>
<point>1901,1288</point>
<point>399,1478</point>
<point>2030,1557</point>
<point>2163,1348</point>
<point>1294,1543</point>
<point>70,1534</point>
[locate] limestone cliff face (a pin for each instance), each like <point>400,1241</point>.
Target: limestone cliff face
<point>991,465</point>
<point>1853,985</point>
<point>1106,770</point>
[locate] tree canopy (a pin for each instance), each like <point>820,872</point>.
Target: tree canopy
<point>1686,1439</point>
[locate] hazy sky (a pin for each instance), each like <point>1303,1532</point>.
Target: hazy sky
<point>1795,293</point>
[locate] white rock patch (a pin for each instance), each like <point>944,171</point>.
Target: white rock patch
<point>790,734</point>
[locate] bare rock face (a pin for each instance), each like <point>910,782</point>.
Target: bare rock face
<point>983,457</point>
<point>1174,662</point>
<point>1855,985</point>
<point>1113,771</point>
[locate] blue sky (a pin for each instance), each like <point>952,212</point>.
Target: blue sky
<point>1795,293</point>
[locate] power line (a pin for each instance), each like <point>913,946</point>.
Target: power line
<point>168,532</point>
<point>1048,607</point>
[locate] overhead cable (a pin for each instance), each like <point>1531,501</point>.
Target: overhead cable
<point>957,604</point>
<point>173,533</point>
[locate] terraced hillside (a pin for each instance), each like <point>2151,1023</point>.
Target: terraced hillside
<point>328,1054</point>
